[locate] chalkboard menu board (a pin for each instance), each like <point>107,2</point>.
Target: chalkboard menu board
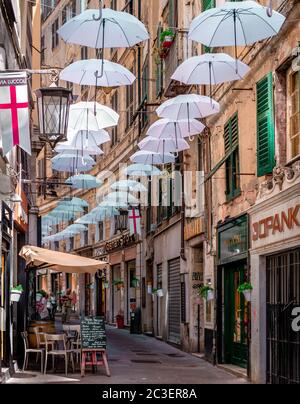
<point>93,335</point>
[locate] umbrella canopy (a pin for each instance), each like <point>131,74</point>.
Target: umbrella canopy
<point>84,181</point>
<point>71,162</point>
<point>69,208</point>
<point>112,29</point>
<point>163,145</point>
<point>235,23</point>
<point>88,219</point>
<point>188,107</point>
<point>84,151</point>
<point>170,128</point>
<point>74,202</point>
<point>146,157</point>
<point>60,262</point>
<point>142,170</point>
<point>101,213</point>
<point>88,116</point>
<point>95,72</point>
<point>120,204</point>
<point>121,197</point>
<point>129,185</point>
<point>76,228</point>
<point>210,69</point>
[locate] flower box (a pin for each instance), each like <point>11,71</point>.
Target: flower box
<point>15,295</point>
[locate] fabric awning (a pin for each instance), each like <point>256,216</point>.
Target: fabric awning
<point>60,262</point>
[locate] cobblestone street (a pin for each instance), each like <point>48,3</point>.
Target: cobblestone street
<point>138,359</point>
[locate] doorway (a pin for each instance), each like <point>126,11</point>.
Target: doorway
<point>236,316</point>
<point>131,289</point>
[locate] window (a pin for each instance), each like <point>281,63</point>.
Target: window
<point>43,50</point>
<point>206,5</point>
<point>159,66</point>
<point>115,107</point>
<point>265,126</point>
<point>149,209</point>
<point>84,53</point>
<point>64,15</point>
<point>100,231</point>
<point>130,104</point>
<point>231,139</point>
<point>73,8</point>
<point>145,90</point>
<point>55,38</point>
<point>162,209</point>
<point>114,4</point>
<point>129,7</point>
<point>294,114</point>
<point>173,14</point>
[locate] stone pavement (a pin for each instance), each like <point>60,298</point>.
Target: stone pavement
<point>138,359</point>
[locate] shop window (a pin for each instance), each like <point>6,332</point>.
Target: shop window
<point>293,114</point>
<point>231,139</point>
<point>265,126</point>
<point>145,91</point>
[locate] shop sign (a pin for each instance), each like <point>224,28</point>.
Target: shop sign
<point>233,240</point>
<point>193,229</point>
<point>277,224</point>
<point>119,243</point>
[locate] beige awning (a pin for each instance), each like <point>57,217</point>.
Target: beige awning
<point>60,262</point>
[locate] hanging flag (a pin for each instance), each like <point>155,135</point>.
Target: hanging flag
<point>14,111</point>
<point>134,222</point>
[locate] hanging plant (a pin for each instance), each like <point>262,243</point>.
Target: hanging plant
<point>246,288</point>
<point>15,293</point>
<point>118,283</point>
<point>167,38</point>
<point>206,292</point>
<point>135,282</point>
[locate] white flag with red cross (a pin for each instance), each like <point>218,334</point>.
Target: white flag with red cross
<point>134,219</point>
<point>14,112</point>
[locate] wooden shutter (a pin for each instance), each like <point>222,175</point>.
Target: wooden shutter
<point>231,135</point>
<point>265,126</point>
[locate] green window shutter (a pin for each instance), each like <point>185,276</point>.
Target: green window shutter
<point>265,126</point>
<point>231,140</point>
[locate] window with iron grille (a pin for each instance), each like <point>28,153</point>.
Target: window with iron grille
<point>265,126</point>
<point>55,39</point>
<point>145,91</point>
<point>231,139</point>
<point>130,103</point>
<point>115,107</point>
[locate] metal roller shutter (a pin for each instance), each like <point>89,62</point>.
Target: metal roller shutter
<point>174,301</point>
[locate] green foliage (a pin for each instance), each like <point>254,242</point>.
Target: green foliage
<point>245,287</point>
<point>18,288</point>
<point>42,292</point>
<point>166,33</point>
<point>118,282</point>
<point>204,290</point>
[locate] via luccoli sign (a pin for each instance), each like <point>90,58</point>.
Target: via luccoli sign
<point>233,240</point>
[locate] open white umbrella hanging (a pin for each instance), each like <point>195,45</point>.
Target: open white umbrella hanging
<point>83,118</point>
<point>74,202</point>
<point>129,185</point>
<point>170,128</point>
<point>87,219</point>
<point>88,73</point>
<point>162,146</point>
<point>84,181</point>
<point>210,69</point>
<point>117,197</point>
<point>146,157</point>
<point>188,107</point>
<point>72,163</point>
<point>88,138</point>
<point>104,28</point>
<point>142,170</point>
<point>104,212</point>
<point>84,151</point>
<point>235,24</point>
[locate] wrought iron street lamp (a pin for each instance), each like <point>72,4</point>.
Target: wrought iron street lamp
<point>53,111</point>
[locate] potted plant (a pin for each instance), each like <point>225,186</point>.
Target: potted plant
<point>135,282</point>
<point>15,293</point>
<point>160,293</point>
<point>118,283</point>
<point>206,292</point>
<point>246,288</point>
<point>167,38</point>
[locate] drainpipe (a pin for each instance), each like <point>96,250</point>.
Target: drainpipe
<point>182,252</point>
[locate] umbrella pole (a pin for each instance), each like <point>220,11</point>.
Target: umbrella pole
<point>176,138</point>
<point>210,82</point>
<point>188,112</point>
<point>235,42</point>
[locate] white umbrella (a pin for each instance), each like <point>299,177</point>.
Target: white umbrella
<point>210,69</point>
<point>83,117</point>
<point>188,107</point>
<point>117,197</point>
<point>87,219</point>
<point>109,29</point>
<point>95,72</point>
<point>146,157</point>
<point>163,145</point>
<point>170,128</point>
<point>84,151</point>
<point>101,213</point>
<point>84,181</point>
<point>235,23</point>
<point>72,163</point>
<point>142,170</point>
<point>76,228</point>
<point>74,202</point>
<point>129,185</point>
<point>87,138</point>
